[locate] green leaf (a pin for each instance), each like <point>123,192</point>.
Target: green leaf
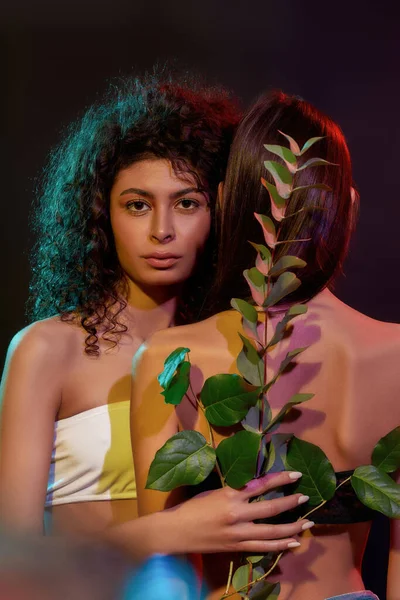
<point>243,575</point>
<point>295,148</point>
<point>227,399</point>
<point>310,143</point>
<point>278,442</point>
<point>268,228</point>
<point>171,363</point>
<point>251,422</point>
<point>256,281</point>
<point>250,364</point>
<point>185,459</point>
<point>255,559</point>
<point>278,204</point>
<point>294,400</point>
<point>314,162</point>
<point>237,456</point>
<point>285,154</point>
<point>285,263</point>
<point>282,177</point>
<point>249,315</point>
<point>285,285</point>
<point>276,462</point>
<point>386,454</point>
<point>281,151</point>
<point>246,310</point>
<point>264,258</point>
<point>274,195</point>
<point>319,479</point>
<point>179,384</point>
<point>270,455</point>
<point>377,490</point>
<point>289,358</point>
<point>294,311</point>
<point>265,590</point>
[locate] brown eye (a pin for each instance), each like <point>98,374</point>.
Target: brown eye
<point>186,203</point>
<point>137,206</point>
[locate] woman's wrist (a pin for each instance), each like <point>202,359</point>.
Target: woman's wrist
<point>164,534</point>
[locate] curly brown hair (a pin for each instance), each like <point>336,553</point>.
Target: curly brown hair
<point>76,272</point>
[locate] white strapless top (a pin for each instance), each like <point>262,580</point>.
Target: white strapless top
<point>92,457</point>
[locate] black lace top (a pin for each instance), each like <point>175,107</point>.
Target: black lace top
<point>344,507</point>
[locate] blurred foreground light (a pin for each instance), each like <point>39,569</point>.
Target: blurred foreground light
<point>164,577</point>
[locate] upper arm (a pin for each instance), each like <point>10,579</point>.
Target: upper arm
<point>152,423</point>
<point>29,399</point>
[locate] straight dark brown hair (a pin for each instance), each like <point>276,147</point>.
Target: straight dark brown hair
<point>328,219</point>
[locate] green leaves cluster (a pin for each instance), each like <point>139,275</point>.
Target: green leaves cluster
<point>372,483</point>
<point>229,399</point>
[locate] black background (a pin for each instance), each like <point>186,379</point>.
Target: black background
<point>58,57</point>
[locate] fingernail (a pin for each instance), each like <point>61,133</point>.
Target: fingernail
<point>295,475</point>
<point>303,499</point>
<point>308,525</point>
<point>293,544</point>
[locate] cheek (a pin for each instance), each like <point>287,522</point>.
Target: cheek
<point>196,234</point>
<point>128,235</point>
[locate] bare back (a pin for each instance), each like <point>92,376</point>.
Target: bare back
<point>351,366</point>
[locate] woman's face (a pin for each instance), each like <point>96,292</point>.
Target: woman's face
<point>160,221</point>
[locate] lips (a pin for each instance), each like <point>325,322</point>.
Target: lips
<point>162,260</point>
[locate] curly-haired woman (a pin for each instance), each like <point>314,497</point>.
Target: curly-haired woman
<point>125,245</point>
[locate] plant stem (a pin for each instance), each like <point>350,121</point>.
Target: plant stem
<point>228,585</point>
<point>212,442</point>
<point>324,501</point>
<point>260,458</point>
<point>210,432</point>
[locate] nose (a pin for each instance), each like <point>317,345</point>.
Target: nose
<point>162,227</point>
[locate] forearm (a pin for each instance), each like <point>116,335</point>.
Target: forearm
<point>140,538</point>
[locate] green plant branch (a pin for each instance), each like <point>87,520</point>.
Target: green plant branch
<point>260,459</point>
<point>254,581</point>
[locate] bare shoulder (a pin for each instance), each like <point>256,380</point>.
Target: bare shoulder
<point>37,361</point>
<point>204,333</point>
<point>150,357</point>
<point>50,340</point>
<point>353,325</point>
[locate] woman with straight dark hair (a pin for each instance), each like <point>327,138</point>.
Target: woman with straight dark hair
<point>351,363</point>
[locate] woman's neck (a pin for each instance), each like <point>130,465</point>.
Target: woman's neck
<point>150,310</point>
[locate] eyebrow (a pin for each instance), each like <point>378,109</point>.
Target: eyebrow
<point>173,196</point>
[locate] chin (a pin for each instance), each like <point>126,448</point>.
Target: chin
<point>165,278</point>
